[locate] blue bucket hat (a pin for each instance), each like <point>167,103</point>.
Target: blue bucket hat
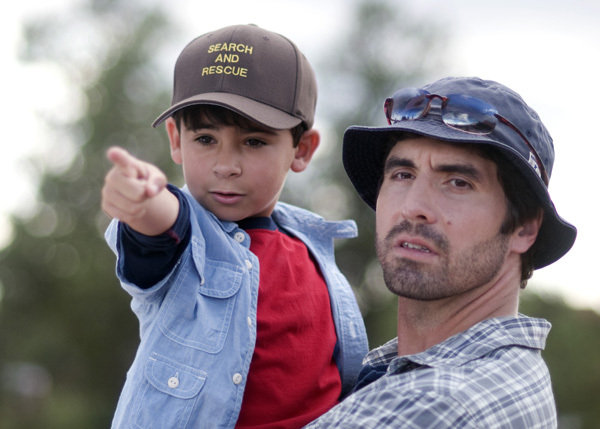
<point>365,149</point>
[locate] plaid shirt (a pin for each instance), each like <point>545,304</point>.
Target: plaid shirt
<point>490,376</point>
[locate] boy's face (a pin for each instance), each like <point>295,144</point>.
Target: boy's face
<point>235,172</point>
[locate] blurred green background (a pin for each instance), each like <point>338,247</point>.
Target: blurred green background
<point>67,335</point>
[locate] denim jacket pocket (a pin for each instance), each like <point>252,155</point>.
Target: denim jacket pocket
<point>172,378</point>
<point>199,313</point>
<point>168,397</point>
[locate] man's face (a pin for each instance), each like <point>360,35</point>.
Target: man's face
<point>438,218</point>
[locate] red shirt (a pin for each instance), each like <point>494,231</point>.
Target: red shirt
<point>293,376</point>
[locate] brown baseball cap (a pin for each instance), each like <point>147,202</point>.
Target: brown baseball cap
<point>257,73</point>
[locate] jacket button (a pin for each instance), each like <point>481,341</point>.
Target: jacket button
<point>237,378</point>
<point>173,382</point>
<point>248,264</point>
<point>239,237</point>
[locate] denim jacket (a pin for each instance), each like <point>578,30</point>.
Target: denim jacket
<point>198,324</point>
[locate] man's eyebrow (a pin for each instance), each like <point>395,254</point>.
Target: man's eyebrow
<point>394,162</point>
<point>468,170</point>
<point>465,169</point>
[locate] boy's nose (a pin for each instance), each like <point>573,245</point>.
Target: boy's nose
<point>227,164</point>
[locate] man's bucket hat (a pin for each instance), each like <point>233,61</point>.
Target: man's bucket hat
<point>364,150</point>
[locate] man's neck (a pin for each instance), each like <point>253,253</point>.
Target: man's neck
<point>422,324</point>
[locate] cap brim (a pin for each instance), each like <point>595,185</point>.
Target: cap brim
<point>251,109</point>
<point>364,152</point>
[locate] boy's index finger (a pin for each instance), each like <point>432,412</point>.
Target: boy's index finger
<point>127,163</point>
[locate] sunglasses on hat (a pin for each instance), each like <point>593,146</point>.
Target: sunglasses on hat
<point>460,112</point>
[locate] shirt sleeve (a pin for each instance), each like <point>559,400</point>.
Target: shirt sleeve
<point>389,409</point>
<point>145,260</point>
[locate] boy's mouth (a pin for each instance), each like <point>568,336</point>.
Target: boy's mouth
<point>226,197</point>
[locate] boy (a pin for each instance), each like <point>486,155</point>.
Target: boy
<point>216,349</point>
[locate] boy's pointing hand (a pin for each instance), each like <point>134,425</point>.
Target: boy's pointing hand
<point>129,191</point>
<point>141,178</point>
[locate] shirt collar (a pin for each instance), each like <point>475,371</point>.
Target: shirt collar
<point>266,222</point>
<point>479,340</point>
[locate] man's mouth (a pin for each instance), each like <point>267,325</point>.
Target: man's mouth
<point>413,246</point>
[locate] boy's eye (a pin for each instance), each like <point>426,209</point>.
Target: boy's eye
<point>204,139</point>
<point>255,142</point>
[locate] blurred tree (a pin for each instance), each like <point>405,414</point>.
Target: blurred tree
<point>66,333</point>
<point>573,357</point>
<point>383,47</point>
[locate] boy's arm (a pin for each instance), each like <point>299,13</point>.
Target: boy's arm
<point>144,260</point>
<point>135,192</point>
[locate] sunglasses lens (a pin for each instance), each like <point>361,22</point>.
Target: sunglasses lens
<point>406,104</point>
<point>469,114</point>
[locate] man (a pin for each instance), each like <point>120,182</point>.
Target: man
<point>459,183</point>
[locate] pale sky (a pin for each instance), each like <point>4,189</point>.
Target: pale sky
<point>548,51</point>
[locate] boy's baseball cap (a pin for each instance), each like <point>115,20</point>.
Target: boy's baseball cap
<point>257,73</point>
<point>364,152</point>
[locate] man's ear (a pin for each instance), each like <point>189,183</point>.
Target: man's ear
<point>526,234</point>
<point>308,144</point>
<point>174,140</point>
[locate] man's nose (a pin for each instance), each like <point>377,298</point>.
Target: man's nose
<point>417,203</point>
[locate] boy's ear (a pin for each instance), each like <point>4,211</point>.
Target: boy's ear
<point>308,144</point>
<point>525,235</point>
<point>174,140</point>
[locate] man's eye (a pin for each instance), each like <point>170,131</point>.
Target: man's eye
<point>402,175</point>
<point>459,183</point>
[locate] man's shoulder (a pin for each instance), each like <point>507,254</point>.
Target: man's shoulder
<point>494,365</point>
<point>509,384</point>
<point>494,349</point>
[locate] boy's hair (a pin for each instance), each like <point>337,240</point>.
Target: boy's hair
<point>193,117</point>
